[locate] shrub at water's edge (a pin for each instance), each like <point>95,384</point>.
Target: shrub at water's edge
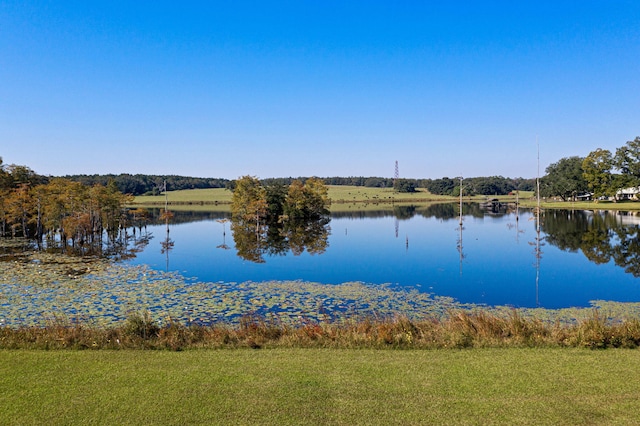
<point>458,329</point>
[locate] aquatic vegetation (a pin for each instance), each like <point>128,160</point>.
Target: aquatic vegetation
<point>38,289</point>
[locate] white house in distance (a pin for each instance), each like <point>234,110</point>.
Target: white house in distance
<point>628,193</point>
<point>632,193</point>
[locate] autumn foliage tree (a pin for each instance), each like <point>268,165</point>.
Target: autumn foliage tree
<point>58,210</point>
<point>276,217</point>
<point>249,201</point>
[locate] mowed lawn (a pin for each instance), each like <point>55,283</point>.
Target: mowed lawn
<point>320,386</point>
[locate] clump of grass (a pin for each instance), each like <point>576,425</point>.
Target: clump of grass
<point>469,329</point>
<point>458,329</point>
<point>141,326</point>
<point>597,332</point>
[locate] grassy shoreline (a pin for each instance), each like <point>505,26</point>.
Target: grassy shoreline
<point>355,197</point>
<point>457,329</point>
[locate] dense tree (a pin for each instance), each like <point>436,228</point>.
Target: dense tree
<point>351,180</point>
<point>294,205</point>
<point>466,190</point>
<point>19,206</point>
<point>140,184</point>
<point>490,185</point>
<point>442,186</point>
<point>525,184</point>
<point>377,182</point>
<point>12,176</point>
<point>63,211</point>
<point>317,200</point>
<point>249,201</point>
<point>404,185</point>
<point>276,197</point>
<point>275,218</point>
<point>4,177</point>
<point>597,167</point>
<point>564,179</point>
<point>249,209</point>
<point>305,202</point>
<point>627,160</point>
<point>32,206</point>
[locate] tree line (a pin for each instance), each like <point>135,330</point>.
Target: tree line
<point>141,184</point>
<point>492,185</point>
<point>601,174</point>
<point>59,210</point>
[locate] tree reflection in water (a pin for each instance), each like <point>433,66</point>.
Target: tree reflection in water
<point>277,239</point>
<point>602,236</point>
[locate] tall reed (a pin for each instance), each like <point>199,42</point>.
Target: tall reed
<point>458,329</point>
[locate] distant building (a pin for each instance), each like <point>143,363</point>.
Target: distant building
<point>632,193</point>
<point>628,193</point>
<point>588,196</point>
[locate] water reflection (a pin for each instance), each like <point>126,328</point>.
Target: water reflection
<point>123,245</point>
<point>602,236</point>
<point>459,245</point>
<point>166,246</point>
<point>444,211</point>
<point>537,243</point>
<point>254,241</point>
<point>224,234</point>
<point>154,216</point>
<point>587,255</point>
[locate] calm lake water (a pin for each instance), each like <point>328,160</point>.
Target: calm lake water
<point>578,256</point>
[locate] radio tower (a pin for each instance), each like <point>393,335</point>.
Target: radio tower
<point>396,175</point>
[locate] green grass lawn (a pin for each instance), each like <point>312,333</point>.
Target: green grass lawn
<point>320,386</point>
<point>209,195</point>
<point>346,194</point>
<point>339,194</point>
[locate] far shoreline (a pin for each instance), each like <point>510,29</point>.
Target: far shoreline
<point>345,198</point>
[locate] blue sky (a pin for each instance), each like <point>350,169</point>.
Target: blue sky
<point>300,88</point>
